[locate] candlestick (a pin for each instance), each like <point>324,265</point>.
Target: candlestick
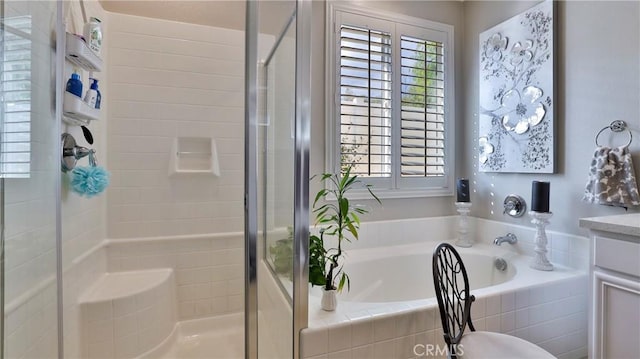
<point>540,261</point>
<point>463,224</point>
<point>540,196</point>
<point>462,190</point>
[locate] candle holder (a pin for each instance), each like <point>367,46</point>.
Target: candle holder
<point>463,224</point>
<point>540,261</point>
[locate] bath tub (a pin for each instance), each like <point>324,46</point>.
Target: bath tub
<point>385,275</point>
<point>392,306</point>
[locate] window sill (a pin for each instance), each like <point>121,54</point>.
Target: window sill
<point>360,194</point>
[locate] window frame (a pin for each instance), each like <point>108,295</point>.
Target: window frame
<point>395,186</point>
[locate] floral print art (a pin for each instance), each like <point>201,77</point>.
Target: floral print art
<point>516,94</point>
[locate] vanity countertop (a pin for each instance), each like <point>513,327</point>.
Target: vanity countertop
<point>628,224</point>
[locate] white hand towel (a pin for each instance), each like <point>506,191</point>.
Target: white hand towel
<point>612,180</point>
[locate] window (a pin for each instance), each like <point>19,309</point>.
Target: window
<point>391,117</point>
<point>15,95</point>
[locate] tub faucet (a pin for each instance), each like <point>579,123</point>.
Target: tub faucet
<point>509,238</point>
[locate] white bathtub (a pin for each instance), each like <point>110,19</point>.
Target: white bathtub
<point>383,278</point>
<point>392,305</point>
<point>404,273</point>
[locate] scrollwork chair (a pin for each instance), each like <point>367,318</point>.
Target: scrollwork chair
<point>454,301</point>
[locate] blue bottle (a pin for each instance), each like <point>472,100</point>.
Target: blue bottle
<point>99,95</point>
<point>74,85</point>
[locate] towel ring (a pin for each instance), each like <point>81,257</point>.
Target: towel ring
<point>616,126</point>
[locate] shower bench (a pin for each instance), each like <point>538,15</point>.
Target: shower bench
<point>125,314</point>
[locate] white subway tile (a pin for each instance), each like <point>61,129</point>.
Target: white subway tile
<point>100,331</point>
<point>100,311</point>
<point>102,350</point>
<point>124,306</point>
<point>384,349</point>
<point>406,323</point>
<point>507,322</point>
<point>405,346</point>
<point>493,323</point>
<point>187,309</point>
<point>493,305</point>
<point>315,342</point>
<point>339,337</point>
<point>537,314</point>
<point>343,354</point>
<point>125,326</point>
<point>508,302</point>
<point>522,298</point>
<point>478,308</point>
<point>361,332</point>
<point>127,346</point>
<point>536,295</point>
<point>362,352</point>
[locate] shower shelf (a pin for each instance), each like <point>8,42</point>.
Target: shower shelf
<point>79,53</point>
<point>77,112</point>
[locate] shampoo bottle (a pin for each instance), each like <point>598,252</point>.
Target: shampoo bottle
<point>93,34</point>
<point>74,85</point>
<point>91,97</point>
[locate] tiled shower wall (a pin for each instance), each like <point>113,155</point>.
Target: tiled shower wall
<point>83,219</point>
<point>168,80</point>
<point>208,268</point>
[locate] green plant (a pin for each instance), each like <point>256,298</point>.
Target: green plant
<point>281,253</point>
<point>339,218</point>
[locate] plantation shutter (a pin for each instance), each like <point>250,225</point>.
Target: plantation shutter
<point>422,117</point>
<point>365,101</point>
<point>15,96</point>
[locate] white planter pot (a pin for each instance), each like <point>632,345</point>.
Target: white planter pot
<point>329,301</point>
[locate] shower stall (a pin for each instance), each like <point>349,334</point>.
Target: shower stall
<point>178,257</point>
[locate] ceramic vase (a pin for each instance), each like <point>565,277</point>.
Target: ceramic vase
<point>329,301</point>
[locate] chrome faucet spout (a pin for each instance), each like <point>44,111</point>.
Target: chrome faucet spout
<point>509,238</point>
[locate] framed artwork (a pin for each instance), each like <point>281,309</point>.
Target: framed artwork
<point>517,105</point>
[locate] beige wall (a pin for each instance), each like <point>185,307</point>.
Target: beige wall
<point>598,80</point>
<point>448,12</point>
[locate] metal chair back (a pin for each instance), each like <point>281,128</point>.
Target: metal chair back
<point>452,291</point>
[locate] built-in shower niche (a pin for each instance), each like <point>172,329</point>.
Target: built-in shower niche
<point>194,155</point>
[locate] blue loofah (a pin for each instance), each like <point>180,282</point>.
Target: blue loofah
<point>89,181</point>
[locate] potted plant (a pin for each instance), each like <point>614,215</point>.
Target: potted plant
<point>340,219</point>
<point>281,253</point>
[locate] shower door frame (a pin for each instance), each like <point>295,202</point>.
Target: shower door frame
<point>58,70</point>
<point>301,171</point>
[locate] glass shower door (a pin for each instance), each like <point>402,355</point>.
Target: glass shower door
<point>277,154</point>
<point>29,179</point>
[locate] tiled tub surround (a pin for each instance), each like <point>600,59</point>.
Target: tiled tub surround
<point>546,308</point>
<point>125,314</point>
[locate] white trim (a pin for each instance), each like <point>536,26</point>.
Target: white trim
<point>390,188</point>
<point>400,193</point>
